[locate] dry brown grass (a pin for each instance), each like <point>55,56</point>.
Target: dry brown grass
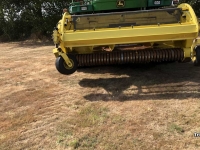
<point>116,107</point>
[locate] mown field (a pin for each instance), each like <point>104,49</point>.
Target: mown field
<point>105,108</point>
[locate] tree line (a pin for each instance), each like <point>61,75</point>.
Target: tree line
<point>21,18</point>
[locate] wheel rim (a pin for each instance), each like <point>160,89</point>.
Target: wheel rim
<point>66,66</point>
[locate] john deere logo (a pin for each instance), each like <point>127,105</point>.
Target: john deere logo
<point>120,3</point>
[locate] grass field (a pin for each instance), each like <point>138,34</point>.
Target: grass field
<point>105,108</point>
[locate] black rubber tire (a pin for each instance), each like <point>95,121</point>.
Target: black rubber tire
<point>63,68</point>
<point>197,61</point>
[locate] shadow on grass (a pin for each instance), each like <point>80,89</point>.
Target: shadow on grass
<point>143,82</point>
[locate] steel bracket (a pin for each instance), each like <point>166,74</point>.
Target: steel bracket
<point>57,53</point>
<point>66,58</point>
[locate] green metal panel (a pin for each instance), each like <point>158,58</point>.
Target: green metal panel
<point>88,6</point>
<point>154,3</point>
<point>80,9</point>
<point>115,4</point>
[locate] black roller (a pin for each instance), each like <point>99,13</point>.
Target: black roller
<point>130,56</point>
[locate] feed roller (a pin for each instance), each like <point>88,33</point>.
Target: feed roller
<point>130,56</point>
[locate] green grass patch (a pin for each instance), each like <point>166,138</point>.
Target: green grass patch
<point>176,128</point>
<point>91,116</point>
<point>74,144</point>
<point>68,131</point>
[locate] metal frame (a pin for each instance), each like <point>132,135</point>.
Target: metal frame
<point>180,34</point>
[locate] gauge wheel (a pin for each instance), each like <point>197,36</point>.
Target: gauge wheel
<point>63,68</point>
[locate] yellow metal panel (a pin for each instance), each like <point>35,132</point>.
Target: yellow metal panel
<point>56,52</point>
<point>187,52</point>
<point>193,17</point>
<point>186,30</point>
<point>130,35</point>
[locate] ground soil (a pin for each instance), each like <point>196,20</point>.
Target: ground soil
<point>108,107</point>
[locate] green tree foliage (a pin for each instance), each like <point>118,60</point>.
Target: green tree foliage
<point>20,18</point>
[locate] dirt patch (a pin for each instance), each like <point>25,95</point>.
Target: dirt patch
<point>109,107</point>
